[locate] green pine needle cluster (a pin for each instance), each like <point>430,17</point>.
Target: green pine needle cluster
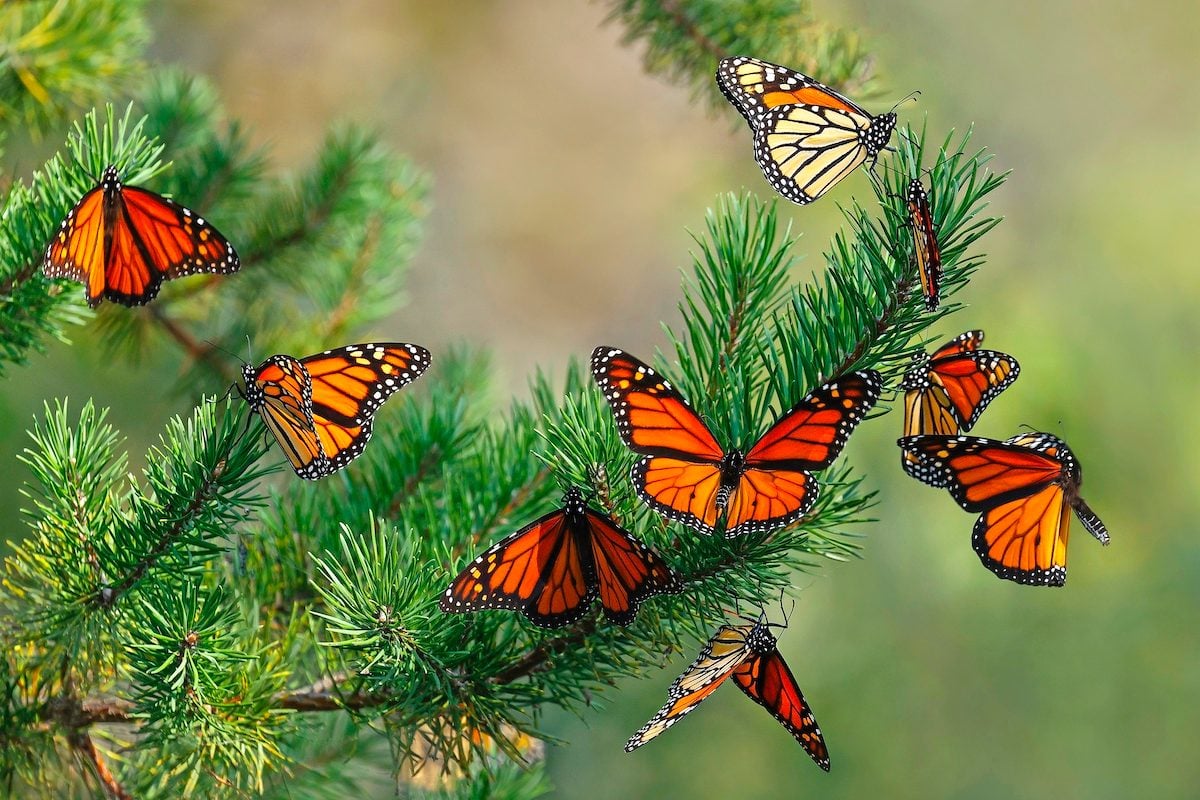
<point>208,627</point>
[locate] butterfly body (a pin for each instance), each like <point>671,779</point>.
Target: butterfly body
<point>807,137</point>
<point>1024,488</point>
<point>554,568</point>
<point>122,242</point>
<point>749,654</point>
<point>687,476</point>
<point>320,408</point>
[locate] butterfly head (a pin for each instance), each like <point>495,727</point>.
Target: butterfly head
<point>760,640</point>
<point>573,503</point>
<point>253,391</point>
<point>110,180</point>
<point>879,133</point>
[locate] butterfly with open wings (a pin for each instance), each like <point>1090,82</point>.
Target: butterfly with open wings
<point>121,242</point>
<point>687,476</point>
<point>552,569</point>
<point>1024,489</point>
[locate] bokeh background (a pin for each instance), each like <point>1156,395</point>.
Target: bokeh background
<point>565,182</point>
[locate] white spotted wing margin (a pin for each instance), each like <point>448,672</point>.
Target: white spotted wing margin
<point>716,662</point>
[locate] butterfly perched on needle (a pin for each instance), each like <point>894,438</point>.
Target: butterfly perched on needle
<point>320,408</point>
<point>1024,489</point>
<point>686,475</point>
<point>807,137</point>
<point>926,250</point>
<point>749,654</point>
<point>121,242</point>
<point>946,391</point>
<point>552,569</point>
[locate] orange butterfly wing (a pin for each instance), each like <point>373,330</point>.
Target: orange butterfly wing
<point>948,391</point>
<point>280,391</point>
<point>767,681</point>
<point>553,568</point>
<point>1025,540</point>
<point>925,244</point>
<point>626,571</point>
<point>720,656</point>
<point>651,415</point>
<point>1026,488</point>
<point>349,385</point>
<point>122,242</point>
<point>775,488</point>
<point>683,491</point>
<point>538,571</point>
<point>984,473</point>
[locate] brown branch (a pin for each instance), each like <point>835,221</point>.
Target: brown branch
<point>198,352</point>
<point>20,276</point>
<point>677,15</point>
<point>539,656</point>
<point>83,744</point>
<point>370,243</point>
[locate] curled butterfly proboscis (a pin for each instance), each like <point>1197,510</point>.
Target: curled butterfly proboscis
<point>320,408</point>
<point>686,475</point>
<point>553,568</point>
<point>1024,488</point>
<point>750,655</point>
<point>121,242</point>
<point>807,137</point>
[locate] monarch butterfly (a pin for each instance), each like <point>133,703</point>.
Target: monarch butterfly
<point>749,654</point>
<point>552,569</point>
<point>687,476</point>
<point>1025,487</point>
<point>807,137</point>
<point>925,244</point>
<point>122,242</point>
<point>947,391</point>
<point>319,408</point>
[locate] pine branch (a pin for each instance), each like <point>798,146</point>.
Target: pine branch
<point>684,40</point>
<point>58,57</point>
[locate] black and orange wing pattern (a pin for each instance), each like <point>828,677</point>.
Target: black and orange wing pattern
<point>349,385</point>
<point>552,569</point>
<point>767,680</point>
<point>926,249</point>
<point>626,571</point>
<point>807,137</point>
<point>121,242</point>
<point>775,488</point>
<point>1024,487</point>
<point>280,391</point>
<point>680,477</point>
<point>945,392</point>
<point>320,408</point>
<point>749,654</point>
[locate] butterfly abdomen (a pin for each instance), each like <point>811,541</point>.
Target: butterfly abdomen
<point>732,467</point>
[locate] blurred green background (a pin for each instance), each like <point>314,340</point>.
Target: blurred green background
<point>565,181</point>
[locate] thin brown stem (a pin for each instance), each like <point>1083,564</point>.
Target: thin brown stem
<point>20,276</point>
<point>199,352</point>
<point>680,18</point>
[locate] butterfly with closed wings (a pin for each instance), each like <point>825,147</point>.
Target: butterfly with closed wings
<point>687,476</point>
<point>750,655</point>
<point>121,242</point>
<point>946,391</point>
<point>320,408</point>
<point>1024,489</point>
<point>807,137</point>
<point>552,569</point>
<point>926,250</point>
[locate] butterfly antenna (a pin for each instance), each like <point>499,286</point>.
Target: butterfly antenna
<point>910,96</point>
